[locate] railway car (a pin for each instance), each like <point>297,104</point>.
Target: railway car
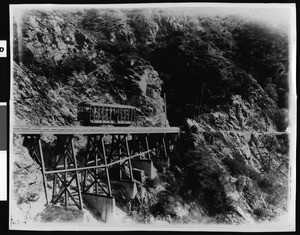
<point>92,114</point>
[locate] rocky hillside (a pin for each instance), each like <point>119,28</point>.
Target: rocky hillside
<point>225,78</point>
<point>235,174</point>
<point>59,64</point>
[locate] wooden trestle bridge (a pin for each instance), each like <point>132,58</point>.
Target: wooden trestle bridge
<point>108,157</point>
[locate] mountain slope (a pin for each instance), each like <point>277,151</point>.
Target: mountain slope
<point>219,89</point>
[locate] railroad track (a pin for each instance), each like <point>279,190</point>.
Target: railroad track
<point>94,130</point>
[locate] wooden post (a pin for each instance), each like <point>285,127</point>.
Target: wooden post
<point>96,163</point>
<point>106,168</point>
<point>43,169</point>
<point>164,145</point>
<point>119,153</point>
<point>54,179</point>
<point>87,159</point>
<point>147,146</point>
<point>129,160</point>
<point>76,174</point>
<point>165,101</point>
<point>65,175</point>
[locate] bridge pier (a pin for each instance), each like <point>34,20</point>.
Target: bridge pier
<point>105,206</point>
<point>130,187</point>
<point>146,166</point>
<point>161,163</point>
<point>138,174</point>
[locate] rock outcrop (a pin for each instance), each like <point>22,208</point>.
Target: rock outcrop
<point>62,65</point>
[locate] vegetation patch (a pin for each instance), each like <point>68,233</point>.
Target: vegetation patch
<point>54,213</point>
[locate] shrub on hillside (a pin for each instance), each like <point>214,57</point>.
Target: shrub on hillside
<point>238,167</point>
<point>77,62</point>
<point>275,190</point>
<point>261,213</point>
<point>281,119</point>
<point>53,213</point>
<point>271,91</point>
<point>150,183</point>
<point>202,180</point>
<point>165,205</point>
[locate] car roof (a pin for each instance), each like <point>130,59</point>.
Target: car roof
<point>85,103</point>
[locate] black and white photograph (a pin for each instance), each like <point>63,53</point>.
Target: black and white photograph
<point>152,117</point>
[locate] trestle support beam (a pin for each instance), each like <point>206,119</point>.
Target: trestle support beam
<point>104,153</point>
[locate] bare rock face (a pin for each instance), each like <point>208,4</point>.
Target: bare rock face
<point>49,39</point>
<point>27,197</point>
<point>240,116</point>
<point>62,65</point>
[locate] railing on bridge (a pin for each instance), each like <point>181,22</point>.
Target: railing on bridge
<point>108,154</point>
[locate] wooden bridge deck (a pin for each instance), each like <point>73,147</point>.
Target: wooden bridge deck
<point>58,130</point>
